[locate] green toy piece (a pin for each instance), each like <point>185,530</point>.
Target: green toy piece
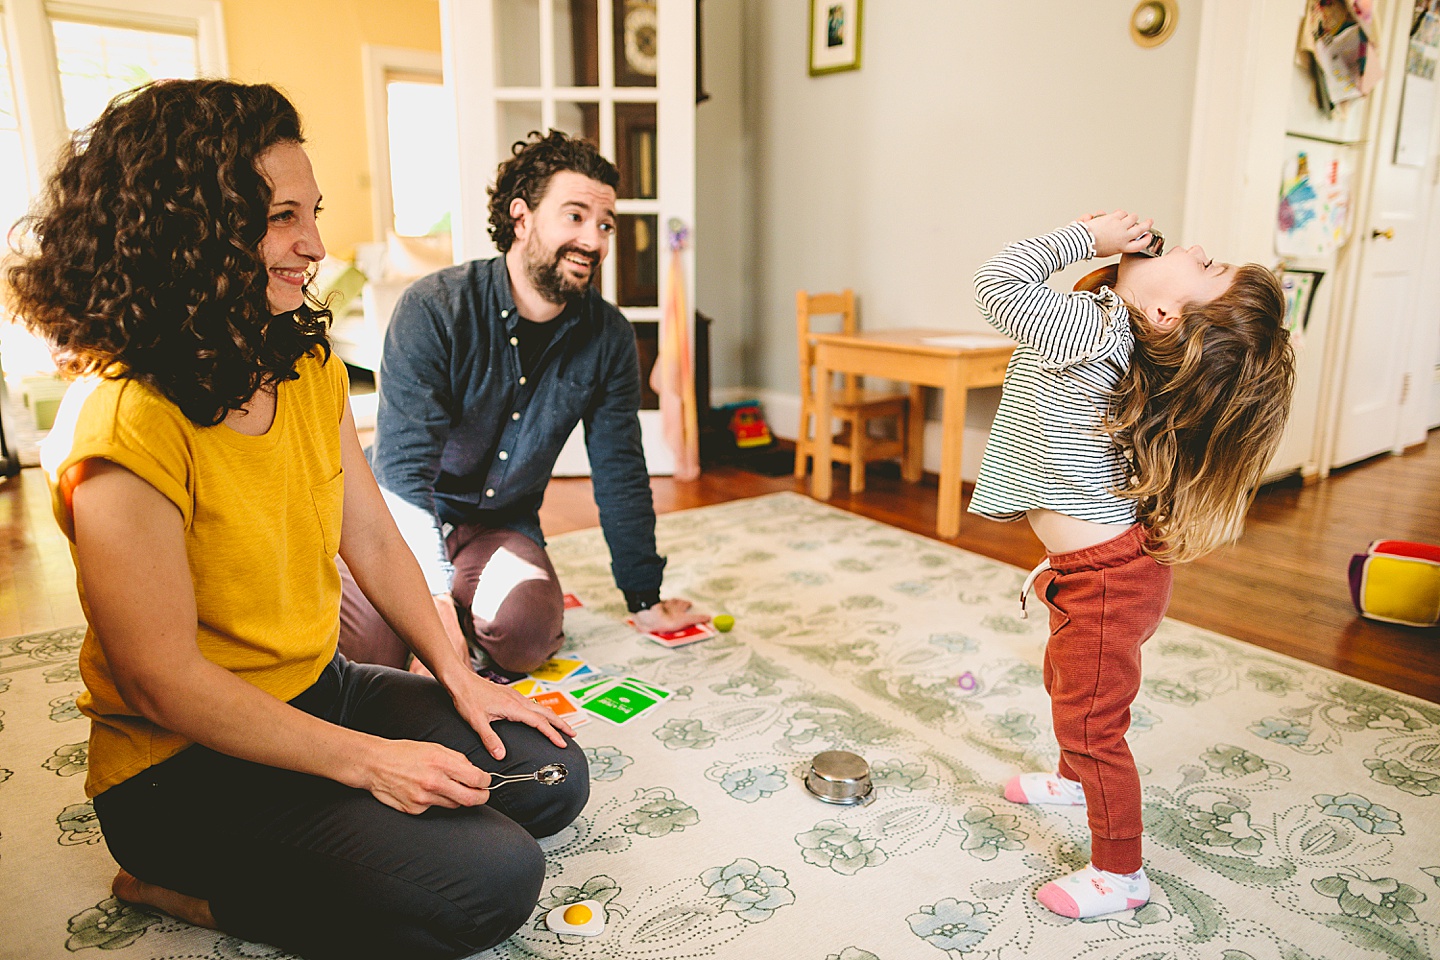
<point>724,622</point>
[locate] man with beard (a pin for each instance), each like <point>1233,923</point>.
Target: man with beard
<point>488,366</point>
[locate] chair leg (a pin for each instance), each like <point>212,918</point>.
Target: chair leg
<point>858,440</point>
<point>802,448</point>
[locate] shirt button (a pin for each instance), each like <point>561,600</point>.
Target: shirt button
<point>515,415</point>
<point>504,455</point>
<point>522,381</point>
<point>490,492</point>
<point>504,314</point>
<point>514,341</point>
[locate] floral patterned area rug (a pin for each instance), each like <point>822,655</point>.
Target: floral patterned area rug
<point>1291,813</point>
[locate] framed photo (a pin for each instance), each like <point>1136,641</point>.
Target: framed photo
<point>1299,287</point>
<point>834,36</point>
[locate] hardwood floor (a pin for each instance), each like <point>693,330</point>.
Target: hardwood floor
<point>1282,587</point>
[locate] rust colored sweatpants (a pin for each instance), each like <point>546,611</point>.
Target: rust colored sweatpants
<point>1105,601</point>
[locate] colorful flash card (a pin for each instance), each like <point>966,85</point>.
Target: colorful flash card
<point>555,670</point>
<point>650,688</point>
<point>572,601</point>
<point>619,703</point>
<point>526,687</point>
<point>563,706</point>
<point>581,692</point>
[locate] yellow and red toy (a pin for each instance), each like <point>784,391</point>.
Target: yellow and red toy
<point>1397,581</point>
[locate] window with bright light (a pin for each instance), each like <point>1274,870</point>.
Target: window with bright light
<point>14,179</point>
<point>52,85</point>
<point>424,181</point>
<point>96,61</point>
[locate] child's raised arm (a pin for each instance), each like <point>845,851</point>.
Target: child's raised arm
<point>1012,293</point>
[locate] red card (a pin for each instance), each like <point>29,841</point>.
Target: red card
<point>572,601</point>
<point>676,638</point>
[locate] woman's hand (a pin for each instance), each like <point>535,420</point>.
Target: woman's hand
<point>412,776</point>
<point>1117,232</point>
<point>480,702</point>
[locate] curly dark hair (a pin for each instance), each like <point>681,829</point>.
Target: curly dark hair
<point>142,259</point>
<point>527,174</point>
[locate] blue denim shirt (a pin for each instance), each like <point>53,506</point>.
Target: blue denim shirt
<point>462,438</point>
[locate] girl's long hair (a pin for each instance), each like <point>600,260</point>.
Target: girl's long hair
<point>1200,412</point>
<point>142,259</point>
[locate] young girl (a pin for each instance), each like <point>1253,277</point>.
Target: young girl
<point>1135,422</point>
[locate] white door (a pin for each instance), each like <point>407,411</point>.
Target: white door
<point>618,72</point>
<point>1390,241</point>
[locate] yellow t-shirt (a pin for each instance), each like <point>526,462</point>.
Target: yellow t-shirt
<point>262,527</point>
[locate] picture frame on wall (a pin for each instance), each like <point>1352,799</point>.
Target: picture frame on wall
<point>1299,287</point>
<point>835,35</point>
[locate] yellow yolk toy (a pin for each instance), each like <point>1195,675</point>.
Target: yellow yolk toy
<point>586,918</point>
<point>724,623</point>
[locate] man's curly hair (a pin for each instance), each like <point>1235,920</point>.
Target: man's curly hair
<point>143,259</point>
<point>527,174</point>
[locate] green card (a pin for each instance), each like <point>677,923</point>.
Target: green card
<point>619,703</point>
<point>660,693</point>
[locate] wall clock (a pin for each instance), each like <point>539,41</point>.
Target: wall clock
<point>641,39</point>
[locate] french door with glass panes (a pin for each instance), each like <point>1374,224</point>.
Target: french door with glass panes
<point>618,72</point>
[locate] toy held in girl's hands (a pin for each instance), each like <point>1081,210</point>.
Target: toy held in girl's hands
<point>1136,417</point>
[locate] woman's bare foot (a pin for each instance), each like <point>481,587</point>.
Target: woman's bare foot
<point>190,909</point>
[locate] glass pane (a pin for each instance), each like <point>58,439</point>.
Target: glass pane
<point>14,181</point>
<point>635,43</point>
<point>517,43</point>
<point>98,61</point>
<point>424,181</point>
<point>517,120</point>
<point>577,43</point>
<point>635,150</point>
<point>25,354</point>
<point>638,241</point>
<point>578,119</point>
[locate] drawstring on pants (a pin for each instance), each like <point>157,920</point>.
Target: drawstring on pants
<point>1040,568</point>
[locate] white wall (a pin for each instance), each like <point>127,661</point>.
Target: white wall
<point>722,202</point>
<point>969,125</point>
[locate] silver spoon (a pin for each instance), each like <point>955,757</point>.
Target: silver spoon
<point>550,774</point>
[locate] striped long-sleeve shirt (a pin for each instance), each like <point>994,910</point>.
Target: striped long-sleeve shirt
<point>1046,449</point>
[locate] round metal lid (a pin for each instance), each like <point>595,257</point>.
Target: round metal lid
<point>840,766</point>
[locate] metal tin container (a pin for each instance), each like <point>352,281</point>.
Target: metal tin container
<point>838,776</point>
<point>1156,246</point>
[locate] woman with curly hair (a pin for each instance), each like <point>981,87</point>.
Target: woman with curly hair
<point>207,471</point>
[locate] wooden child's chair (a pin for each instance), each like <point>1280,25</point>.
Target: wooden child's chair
<point>854,406</point>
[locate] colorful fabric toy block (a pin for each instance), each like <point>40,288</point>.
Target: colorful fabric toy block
<point>1398,582</point>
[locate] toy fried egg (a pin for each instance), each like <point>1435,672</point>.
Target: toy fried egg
<point>586,918</point>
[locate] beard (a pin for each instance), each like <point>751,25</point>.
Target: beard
<point>549,278</point>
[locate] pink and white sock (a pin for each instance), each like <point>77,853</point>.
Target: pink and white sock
<point>1093,893</point>
<point>1044,788</point>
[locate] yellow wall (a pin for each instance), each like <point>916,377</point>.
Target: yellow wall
<point>311,51</point>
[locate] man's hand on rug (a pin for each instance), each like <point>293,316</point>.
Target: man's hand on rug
<point>667,616</point>
<point>480,702</point>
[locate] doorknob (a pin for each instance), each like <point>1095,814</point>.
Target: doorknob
<point>1388,233</point>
